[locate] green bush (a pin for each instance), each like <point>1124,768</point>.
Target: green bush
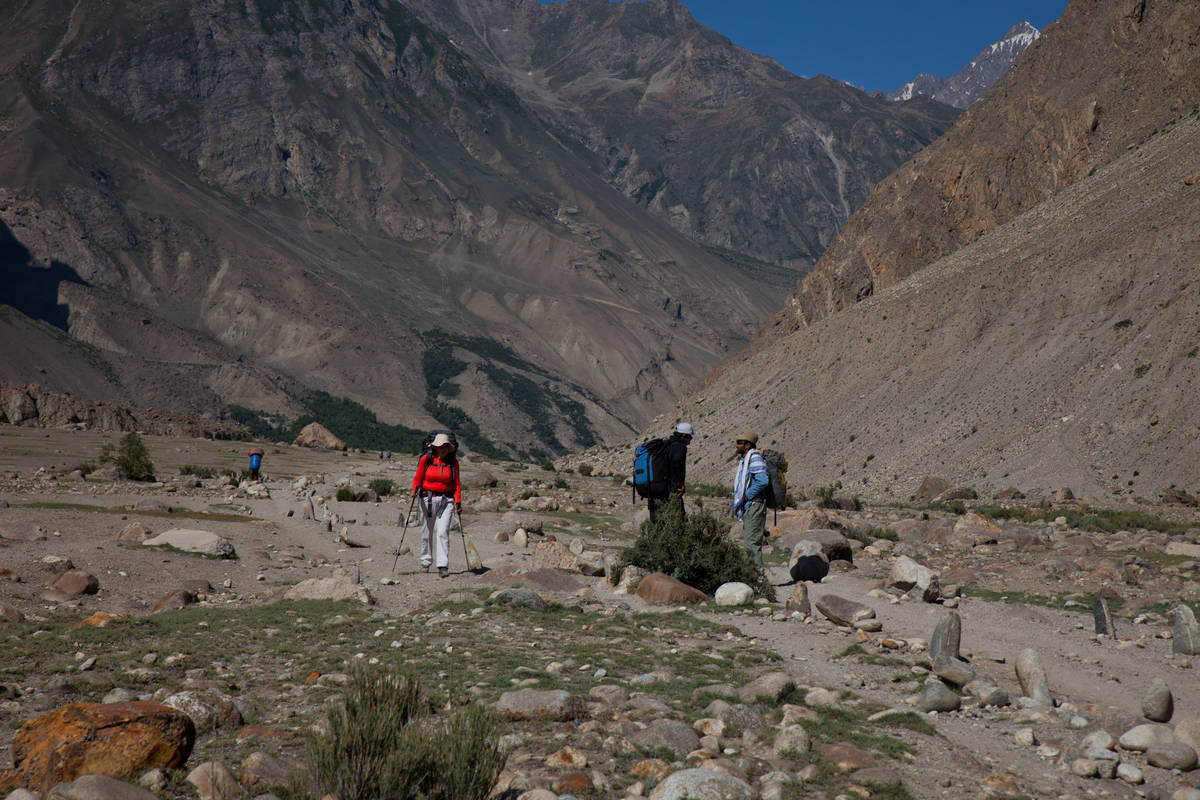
<point>697,550</point>
<point>560,483</point>
<point>346,495</point>
<point>382,742</point>
<point>548,466</point>
<point>131,458</point>
<point>382,486</point>
<point>585,470</point>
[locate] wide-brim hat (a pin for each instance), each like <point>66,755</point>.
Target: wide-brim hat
<point>440,440</point>
<point>747,436</point>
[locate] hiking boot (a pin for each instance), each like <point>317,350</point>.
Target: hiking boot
<point>443,572</point>
<point>425,568</point>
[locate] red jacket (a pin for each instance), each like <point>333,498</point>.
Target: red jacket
<point>439,477</point>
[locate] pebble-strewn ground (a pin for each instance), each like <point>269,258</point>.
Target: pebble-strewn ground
<point>780,702</point>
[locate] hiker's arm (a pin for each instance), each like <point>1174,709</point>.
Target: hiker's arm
<point>757,485</point>
<point>416,487</point>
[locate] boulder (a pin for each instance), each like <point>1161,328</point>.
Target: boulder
<point>842,611</point>
<point>208,709</point>
<point>798,600</point>
<point>335,588</point>
<point>658,587</point>
<point>938,697</point>
<point>173,601</point>
<point>114,739</point>
<point>956,493</point>
<point>134,532</point>
<point>774,686</point>
<point>1185,633</point>
<point>930,488</point>
<point>907,574</point>
<point>527,704</point>
<point>552,555</point>
<point>733,594</point>
<point>1172,755</point>
<point>1141,738</point>
<point>75,582</point>
<point>672,734</point>
<point>1032,677</point>
<point>201,542</point>
<point>214,781</point>
<point>261,770</point>
<point>314,434</point>
<point>518,598</point>
<point>99,787</point>
<point>703,784</point>
<point>1158,704</point>
<point>947,635</point>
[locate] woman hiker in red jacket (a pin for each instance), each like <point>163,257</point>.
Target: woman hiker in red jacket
<point>437,484</point>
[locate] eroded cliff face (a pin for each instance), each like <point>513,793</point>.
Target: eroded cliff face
<point>1103,77</point>
<point>257,198</point>
<point>725,145</point>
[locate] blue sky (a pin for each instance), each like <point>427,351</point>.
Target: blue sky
<point>874,44</point>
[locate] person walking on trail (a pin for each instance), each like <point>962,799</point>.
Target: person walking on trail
<point>749,494</point>
<point>676,458</point>
<point>437,485</point>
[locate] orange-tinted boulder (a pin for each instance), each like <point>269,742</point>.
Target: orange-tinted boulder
<point>115,739</point>
<point>658,587</point>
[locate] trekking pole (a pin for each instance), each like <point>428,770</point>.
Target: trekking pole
<point>469,552</point>
<point>403,531</point>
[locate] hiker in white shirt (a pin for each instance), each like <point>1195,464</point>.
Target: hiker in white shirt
<point>749,494</point>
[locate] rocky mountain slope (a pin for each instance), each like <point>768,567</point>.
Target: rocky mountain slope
<point>1057,350</point>
<point>968,84</point>
<point>205,203</point>
<point>1103,77</point>
<point>725,145</point>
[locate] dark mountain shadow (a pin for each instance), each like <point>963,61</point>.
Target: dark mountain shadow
<point>31,289</point>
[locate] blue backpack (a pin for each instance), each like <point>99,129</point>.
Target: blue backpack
<point>650,468</point>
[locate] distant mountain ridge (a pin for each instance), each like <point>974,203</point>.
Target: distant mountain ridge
<point>207,203</point>
<point>968,84</point>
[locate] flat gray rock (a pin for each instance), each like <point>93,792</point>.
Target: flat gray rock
<point>205,543</point>
<point>557,704</point>
<point>842,611</point>
<point>703,784</point>
<point>99,787</point>
<point>519,598</point>
<point>774,686</point>
<point>329,589</point>
<point>674,735</point>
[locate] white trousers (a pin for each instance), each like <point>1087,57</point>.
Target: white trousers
<point>436,514</point>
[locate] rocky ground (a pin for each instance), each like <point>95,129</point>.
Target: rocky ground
<point>777,698</point>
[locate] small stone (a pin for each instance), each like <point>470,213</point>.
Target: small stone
<point>1084,768</point>
<point>1025,737</point>
<point>1130,774</point>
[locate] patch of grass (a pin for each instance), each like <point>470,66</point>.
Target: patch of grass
<point>198,471</point>
<point>852,650</point>
<point>1092,519</point>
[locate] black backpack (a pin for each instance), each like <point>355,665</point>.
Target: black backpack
<point>427,450</point>
<point>650,468</point>
<point>777,465</point>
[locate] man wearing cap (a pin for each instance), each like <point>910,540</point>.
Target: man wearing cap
<point>750,494</point>
<point>438,486</point>
<point>677,446</point>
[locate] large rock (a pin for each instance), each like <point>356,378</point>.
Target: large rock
<point>262,770</point>
<point>1141,738</point>
<point>947,635</point>
<point>907,574</point>
<point>1032,677</point>
<point>842,611</point>
<point>213,780</point>
<point>930,488</point>
<point>672,734</point>
<point>314,434</point>
<point>1172,755</point>
<point>188,540</point>
<point>774,686</point>
<point>99,787</point>
<point>973,529</point>
<point>658,587</point>
<point>524,704</point>
<point>937,697</point>
<point>703,784</point>
<point>208,708</point>
<point>114,739</point>
<point>1186,634</point>
<point>134,532</point>
<point>733,594</point>
<point>826,542</point>
<point>334,588</point>
<point>552,555</point>
<point>1158,704</point>
<point>75,582</point>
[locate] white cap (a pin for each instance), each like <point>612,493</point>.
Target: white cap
<point>685,428</point>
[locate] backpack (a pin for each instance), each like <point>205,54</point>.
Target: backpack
<point>777,465</point>
<point>427,450</point>
<point>650,468</point>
